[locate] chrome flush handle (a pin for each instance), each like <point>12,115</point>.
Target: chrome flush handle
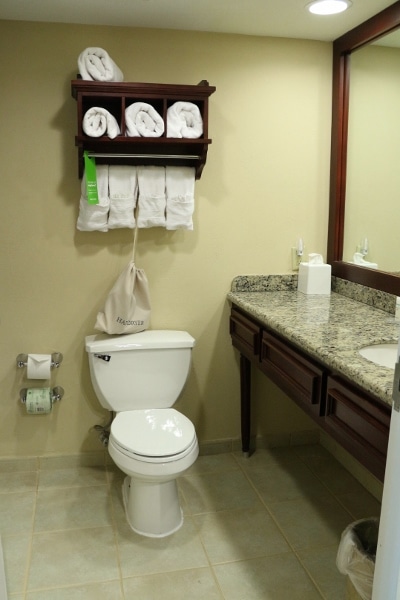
<point>105,357</point>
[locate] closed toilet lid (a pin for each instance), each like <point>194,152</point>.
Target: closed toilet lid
<point>154,433</point>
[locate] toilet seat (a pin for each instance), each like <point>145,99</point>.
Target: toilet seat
<point>155,435</point>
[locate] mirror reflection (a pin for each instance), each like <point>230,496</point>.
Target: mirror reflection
<point>371,232</point>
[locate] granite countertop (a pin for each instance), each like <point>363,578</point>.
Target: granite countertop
<point>331,329</point>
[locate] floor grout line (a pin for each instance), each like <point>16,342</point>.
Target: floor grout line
<point>29,555</point>
<point>281,530</point>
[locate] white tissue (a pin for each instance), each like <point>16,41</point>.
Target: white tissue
<point>39,366</point>
<point>315,259</point>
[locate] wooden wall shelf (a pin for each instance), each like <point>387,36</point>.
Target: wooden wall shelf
<point>116,97</point>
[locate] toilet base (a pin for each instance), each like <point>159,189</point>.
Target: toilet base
<point>152,509</point>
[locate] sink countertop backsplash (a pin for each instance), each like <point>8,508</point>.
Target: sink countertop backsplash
<point>331,329</point>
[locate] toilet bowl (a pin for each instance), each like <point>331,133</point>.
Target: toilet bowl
<point>140,376</point>
<point>153,447</point>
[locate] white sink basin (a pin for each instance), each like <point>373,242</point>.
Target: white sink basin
<point>384,355</point>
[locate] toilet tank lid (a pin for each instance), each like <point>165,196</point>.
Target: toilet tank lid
<point>152,338</point>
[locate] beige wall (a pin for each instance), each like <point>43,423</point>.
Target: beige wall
<point>265,184</point>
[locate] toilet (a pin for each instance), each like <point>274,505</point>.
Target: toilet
<point>139,377</point>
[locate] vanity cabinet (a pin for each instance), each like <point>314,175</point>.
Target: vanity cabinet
<point>302,379</point>
<point>354,418</point>
<point>246,335</point>
<point>163,150</point>
<point>358,422</point>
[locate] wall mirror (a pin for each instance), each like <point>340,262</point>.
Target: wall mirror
<point>365,154</point>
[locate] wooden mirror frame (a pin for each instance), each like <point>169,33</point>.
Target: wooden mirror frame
<point>372,29</point>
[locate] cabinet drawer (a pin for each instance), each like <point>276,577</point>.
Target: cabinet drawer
<point>298,376</point>
<point>245,335</point>
<point>359,423</point>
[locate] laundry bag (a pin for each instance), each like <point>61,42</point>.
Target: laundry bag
<point>127,308</point>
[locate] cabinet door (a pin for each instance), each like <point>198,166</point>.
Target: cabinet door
<point>360,423</point>
<point>246,335</point>
<point>302,379</point>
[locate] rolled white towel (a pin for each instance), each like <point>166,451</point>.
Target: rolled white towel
<point>151,201</point>
<point>143,120</point>
<point>95,64</point>
<point>98,121</point>
<point>94,217</point>
<point>184,120</point>
<point>179,185</point>
<point>122,185</point>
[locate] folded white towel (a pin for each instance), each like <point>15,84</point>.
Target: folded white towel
<point>179,184</point>
<point>122,185</point>
<point>93,217</point>
<point>151,202</point>
<point>95,64</point>
<point>184,120</point>
<point>143,120</point>
<point>99,121</point>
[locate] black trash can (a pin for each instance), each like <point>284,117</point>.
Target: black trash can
<point>356,555</point>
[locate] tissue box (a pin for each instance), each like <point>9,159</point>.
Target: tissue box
<point>314,278</point>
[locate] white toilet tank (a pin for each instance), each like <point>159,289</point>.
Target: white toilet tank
<point>141,370</point>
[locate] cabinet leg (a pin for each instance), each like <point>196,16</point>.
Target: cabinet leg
<point>245,400</point>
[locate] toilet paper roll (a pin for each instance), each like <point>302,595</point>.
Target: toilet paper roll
<point>39,366</point>
<point>38,401</point>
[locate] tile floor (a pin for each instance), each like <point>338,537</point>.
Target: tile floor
<point>265,528</point>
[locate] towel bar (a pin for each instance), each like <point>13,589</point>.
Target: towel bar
<point>128,155</point>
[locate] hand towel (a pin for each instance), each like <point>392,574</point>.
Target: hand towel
<point>122,185</point>
<point>99,121</point>
<point>151,202</point>
<point>143,120</point>
<point>95,64</point>
<point>93,217</point>
<point>179,184</point>
<point>184,120</point>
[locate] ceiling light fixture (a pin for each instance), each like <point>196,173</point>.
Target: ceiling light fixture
<point>328,7</point>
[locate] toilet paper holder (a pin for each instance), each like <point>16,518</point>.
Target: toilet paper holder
<point>56,360</point>
<point>56,394</point>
